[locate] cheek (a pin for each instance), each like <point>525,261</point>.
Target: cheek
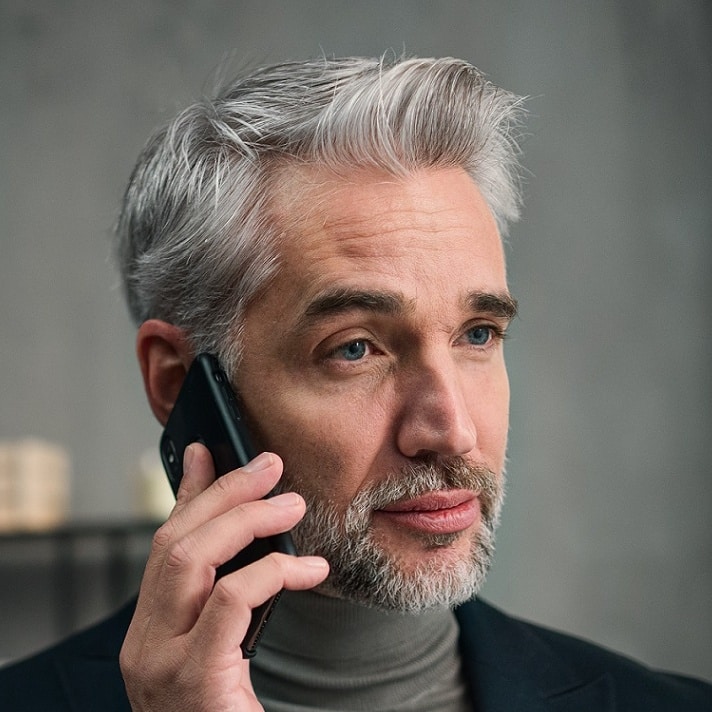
<point>329,445</point>
<point>491,417</point>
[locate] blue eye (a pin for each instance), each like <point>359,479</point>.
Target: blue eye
<point>479,335</point>
<point>353,351</point>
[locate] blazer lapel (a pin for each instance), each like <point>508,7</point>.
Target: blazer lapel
<point>510,667</point>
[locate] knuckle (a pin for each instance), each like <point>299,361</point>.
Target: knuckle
<point>252,585</point>
<point>179,554</point>
<point>126,662</point>
<point>224,486</point>
<point>228,591</point>
<point>163,536</point>
<point>132,665</point>
<point>277,565</point>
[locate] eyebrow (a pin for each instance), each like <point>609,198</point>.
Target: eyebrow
<point>338,301</point>
<point>502,305</point>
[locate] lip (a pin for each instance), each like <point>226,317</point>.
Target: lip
<point>441,512</point>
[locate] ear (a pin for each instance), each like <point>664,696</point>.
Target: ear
<point>164,354</point>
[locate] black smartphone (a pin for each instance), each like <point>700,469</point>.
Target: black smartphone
<point>207,411</point>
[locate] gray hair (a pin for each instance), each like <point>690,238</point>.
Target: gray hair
<point>196,239</point>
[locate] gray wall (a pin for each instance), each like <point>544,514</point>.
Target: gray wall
<point>608,531</point>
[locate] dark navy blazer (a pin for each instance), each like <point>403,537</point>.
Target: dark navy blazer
<point>512,666</point>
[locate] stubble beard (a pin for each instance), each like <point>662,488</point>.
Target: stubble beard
<point>364,571</point>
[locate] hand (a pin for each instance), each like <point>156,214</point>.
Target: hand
<point>182,650</point>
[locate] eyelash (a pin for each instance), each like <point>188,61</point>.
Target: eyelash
<point>341,349</point>
<point>496,335</point>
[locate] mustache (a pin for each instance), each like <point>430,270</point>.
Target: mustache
<point>415,479</point>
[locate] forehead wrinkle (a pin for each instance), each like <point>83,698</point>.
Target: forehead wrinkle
<point>350,229</point>
<point>414,216</point>
<point>307,194</point>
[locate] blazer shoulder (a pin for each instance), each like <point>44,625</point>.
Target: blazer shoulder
<point>515,642</point>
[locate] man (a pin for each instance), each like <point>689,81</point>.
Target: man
<point>332,231</point>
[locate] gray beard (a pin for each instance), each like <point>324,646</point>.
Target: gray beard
<point>364,572</point>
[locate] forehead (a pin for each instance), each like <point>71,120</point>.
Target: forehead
<point>366,222</point>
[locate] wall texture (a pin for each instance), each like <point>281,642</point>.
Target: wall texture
<point>608,531</point>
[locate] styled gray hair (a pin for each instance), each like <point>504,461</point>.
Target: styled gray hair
<point>196,239</point>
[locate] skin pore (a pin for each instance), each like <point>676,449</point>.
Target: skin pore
<point>373,365</point>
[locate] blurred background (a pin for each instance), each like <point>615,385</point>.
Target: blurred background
<point>608,529</point>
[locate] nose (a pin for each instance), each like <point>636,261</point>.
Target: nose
<point>435,417</point>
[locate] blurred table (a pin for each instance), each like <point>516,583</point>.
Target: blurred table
<point>119,542</point>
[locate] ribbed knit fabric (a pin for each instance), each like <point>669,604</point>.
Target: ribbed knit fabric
<point>321,653</point>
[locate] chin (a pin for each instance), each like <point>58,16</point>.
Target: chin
<point>435,575</point>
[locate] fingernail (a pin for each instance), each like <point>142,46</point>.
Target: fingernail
<point>315,562</point>
<point>188,456</point>
<point>286,499</point>
<point>261,462</point>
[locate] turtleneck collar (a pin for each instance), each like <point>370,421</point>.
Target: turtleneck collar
<point>329,654</point>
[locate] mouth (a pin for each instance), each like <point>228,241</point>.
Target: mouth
<point>440,512</point>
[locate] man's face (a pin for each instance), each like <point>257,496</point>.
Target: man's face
<point>373,366</point>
